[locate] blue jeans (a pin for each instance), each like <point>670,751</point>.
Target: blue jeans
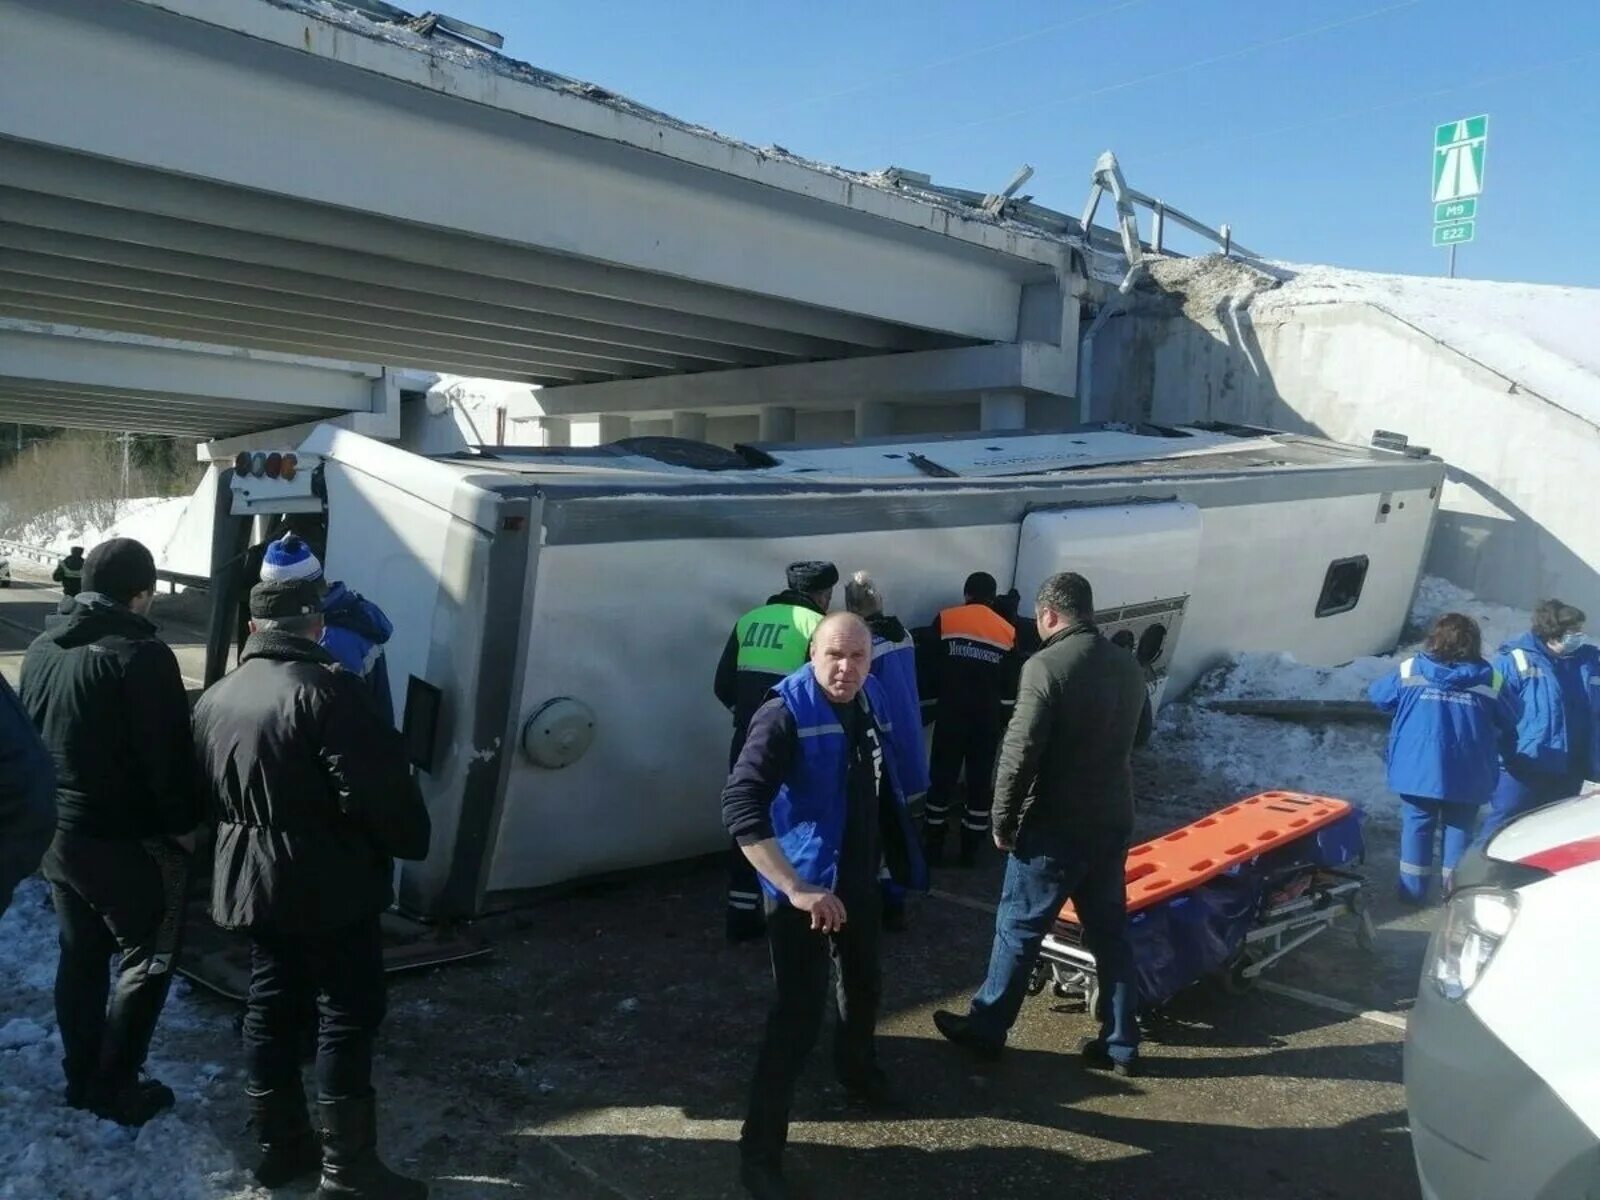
<point>1524,791</point>
<point>1041,874</point>
<point>1420,819</point>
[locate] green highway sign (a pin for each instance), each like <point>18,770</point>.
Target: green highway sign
<point>1453,234</point>
<point>1455,210</point>
<point>1458,153</point>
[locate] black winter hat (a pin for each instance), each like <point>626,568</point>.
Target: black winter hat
<point>812,576</point>
<point>280,598</point>
<point>120,568</point>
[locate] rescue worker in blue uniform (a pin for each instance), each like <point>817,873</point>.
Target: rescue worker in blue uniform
<point>1452,714</point>
<point>815,801</point>
<point>1555,676</point>
<point>894,666</point>
<point>976,644</point>
<point>767,644</point>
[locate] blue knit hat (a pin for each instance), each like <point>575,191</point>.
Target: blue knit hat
<point>290,558</point>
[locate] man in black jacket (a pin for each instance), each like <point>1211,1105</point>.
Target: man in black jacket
<point>1064,812</point>
<point>109,702</point>
<point>27,795</point>
<point>69,572</point>
<point>314,800</point>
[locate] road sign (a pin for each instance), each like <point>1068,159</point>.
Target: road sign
<point>1455,210</point>
<point>1454,234</point>
<point>1458,152</point>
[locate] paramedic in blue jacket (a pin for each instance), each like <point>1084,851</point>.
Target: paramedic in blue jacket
<point>1555,676</point>
<point>815,801</point>
<point>354,628</point>
<point>1451,716</point>
<point>894,666</point>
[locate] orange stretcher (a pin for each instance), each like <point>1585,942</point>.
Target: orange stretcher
<point>1185,858</point>
<point>1188,924</point>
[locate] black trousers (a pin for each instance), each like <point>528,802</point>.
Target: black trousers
<point>122,898</point>
<point>336,976</point>
<point>970,740</point>
<point>800,966</point>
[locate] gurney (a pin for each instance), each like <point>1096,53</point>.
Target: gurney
<point>1224,898</point>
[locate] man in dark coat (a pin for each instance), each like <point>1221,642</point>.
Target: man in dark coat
<point>109,702</point>
<point>69,572</point>
<point>314,800</point>
<point>27,795</point>
<point>1064,813</point>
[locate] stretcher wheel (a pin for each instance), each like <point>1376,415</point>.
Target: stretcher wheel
<point>1091,999</point>
<point>1232,978</point>
<point>1364,938</point>
<point>1038,979</point>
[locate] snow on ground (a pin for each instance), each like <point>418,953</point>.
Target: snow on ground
<point>1345,760</point>
<point>149,519</point>
<point>51,1152</point>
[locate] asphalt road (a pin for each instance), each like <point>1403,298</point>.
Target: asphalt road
<point>603,1052</point>
<point>32,597</point>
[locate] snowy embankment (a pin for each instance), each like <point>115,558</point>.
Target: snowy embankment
<point>1253,754</point>
<point>51,1152</point>
<point>150,519</point>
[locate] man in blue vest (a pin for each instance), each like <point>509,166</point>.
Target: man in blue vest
<point>815,801</point>
<point>768,643</point>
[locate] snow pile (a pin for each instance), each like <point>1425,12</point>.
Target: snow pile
<point>150,519</point>
<point>1252,754</point>
<point>51,1152</point>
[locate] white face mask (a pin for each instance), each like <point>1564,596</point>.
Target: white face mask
<point>1571,641</point>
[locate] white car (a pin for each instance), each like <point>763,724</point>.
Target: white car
<point>1503,1046</point>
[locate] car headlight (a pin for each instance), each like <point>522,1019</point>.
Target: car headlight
<point>1475,923</point>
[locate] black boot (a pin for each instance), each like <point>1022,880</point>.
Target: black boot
<point>933,844</point>
<point>763,1179</point>
<point>971,842</point>
<point>289,1150</point>
<point>130,1101</point>
<point>351,1169</point>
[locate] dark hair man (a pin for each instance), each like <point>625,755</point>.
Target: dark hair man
<point>1064,813</point>
<point>767,643</point>
<point>815,802</point>
<point>314,799</point>
<point>976,645</point>
<point>109,702</point>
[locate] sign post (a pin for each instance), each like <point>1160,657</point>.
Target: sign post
<point>1458,153</point>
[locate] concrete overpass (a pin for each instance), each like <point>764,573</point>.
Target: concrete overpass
<point>302,180</point>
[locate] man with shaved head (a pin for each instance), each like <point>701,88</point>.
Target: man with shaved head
<point>814,800</point>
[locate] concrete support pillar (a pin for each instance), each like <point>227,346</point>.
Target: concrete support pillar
<point>777,424</point>
<point>555,431</point>
<point>691,425</point>
<point>1052,412</point>
<point>874,418</point>
<point>615,427</point>
<point>1002,410</point>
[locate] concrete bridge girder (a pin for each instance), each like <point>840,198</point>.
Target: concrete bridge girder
<point>327,163</point>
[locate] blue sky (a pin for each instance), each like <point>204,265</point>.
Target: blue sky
<point>1306,124</point>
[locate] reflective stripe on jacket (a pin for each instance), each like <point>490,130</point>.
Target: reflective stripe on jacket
<point>1450,720</point>
<point>1541,683</point>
